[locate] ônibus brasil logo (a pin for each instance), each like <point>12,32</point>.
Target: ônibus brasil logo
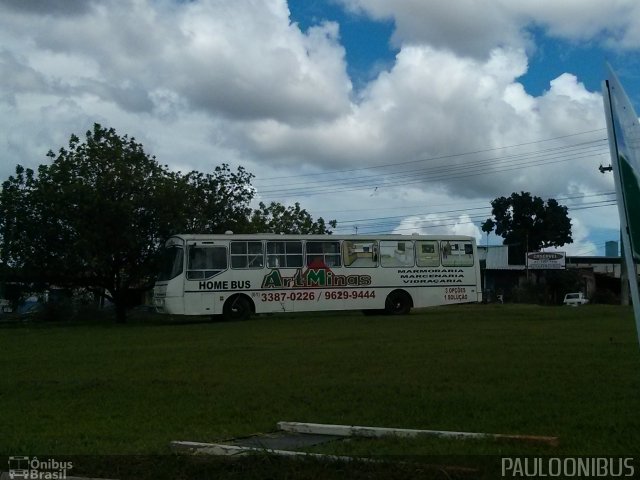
<point>316,275</point>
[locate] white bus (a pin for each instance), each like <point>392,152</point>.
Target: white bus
<point>238,275</point>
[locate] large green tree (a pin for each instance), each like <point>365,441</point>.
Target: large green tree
<point>276,218</point>
<point>528,222</point>
<point>97,215</point>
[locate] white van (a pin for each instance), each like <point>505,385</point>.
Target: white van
<point>575,299</point>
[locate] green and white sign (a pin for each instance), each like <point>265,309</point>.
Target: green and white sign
<point>626,150</point>
<point>624,143</point>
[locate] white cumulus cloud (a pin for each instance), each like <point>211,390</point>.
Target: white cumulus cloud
<point>210,81</point>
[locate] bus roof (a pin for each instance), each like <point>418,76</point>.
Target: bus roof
<point>274,236</point>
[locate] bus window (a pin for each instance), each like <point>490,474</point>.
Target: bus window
<point>323,254</point>
<point>396,253</point>
<point>206,262</point>
<point>284,254</point>
<point>360,253</point>
<point>171,263</point>
<point>456,254</point>
<point>427,253</point>
<point>247,255</point>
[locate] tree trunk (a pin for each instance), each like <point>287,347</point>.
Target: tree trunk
<point>120,302</point>
<point>121,312</point>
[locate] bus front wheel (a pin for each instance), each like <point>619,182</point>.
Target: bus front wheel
<point>398,302</point>
<point>237,307</point>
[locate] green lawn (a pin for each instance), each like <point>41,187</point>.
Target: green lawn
<point>106,389</point>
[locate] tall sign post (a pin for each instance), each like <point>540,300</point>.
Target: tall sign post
<point>624,144</point>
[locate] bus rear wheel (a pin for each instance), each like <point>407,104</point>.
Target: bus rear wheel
<point>398,302</point>
<point>237,307</point>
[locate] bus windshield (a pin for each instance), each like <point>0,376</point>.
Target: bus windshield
<point>172,263</point>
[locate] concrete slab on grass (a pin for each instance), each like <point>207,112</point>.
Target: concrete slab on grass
<point>284,440</point>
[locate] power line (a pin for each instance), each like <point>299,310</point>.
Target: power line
<point>467,209</point>
<point>365,184</point>
<point>583,147</point>
<point>428,223</point>
<point>456,204</point>
<point>438,157</point>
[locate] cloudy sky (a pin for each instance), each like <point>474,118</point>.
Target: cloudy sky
<point>398,116</point>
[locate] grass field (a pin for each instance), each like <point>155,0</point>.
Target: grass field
<point>105,389</point>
